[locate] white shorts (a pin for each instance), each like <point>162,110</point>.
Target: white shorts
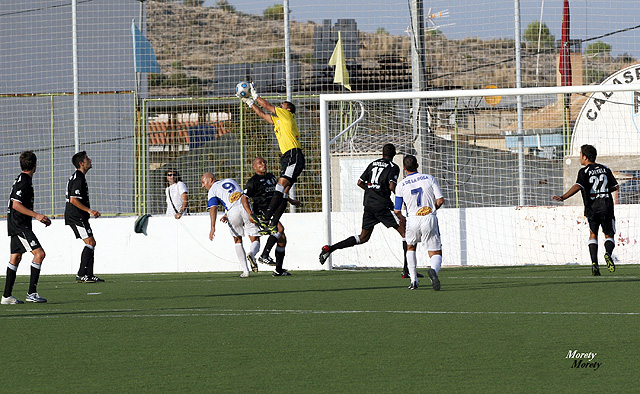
<point>238,221</point>
<point>424,229</point>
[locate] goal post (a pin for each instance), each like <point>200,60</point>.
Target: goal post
<point>497,177</point>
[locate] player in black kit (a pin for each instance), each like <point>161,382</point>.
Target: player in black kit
<point>76,215</point>
<point>19,215</point>
<point>596,182</point>
<point>261,188</point>
<point>378,181</point>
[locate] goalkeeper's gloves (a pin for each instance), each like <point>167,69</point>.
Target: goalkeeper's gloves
<point>254,92</point>
<point>248,101</point>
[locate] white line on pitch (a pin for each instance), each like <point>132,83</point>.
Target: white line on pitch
<point>190,313</point>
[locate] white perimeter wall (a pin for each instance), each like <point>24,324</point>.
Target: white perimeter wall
<point>476,236</point>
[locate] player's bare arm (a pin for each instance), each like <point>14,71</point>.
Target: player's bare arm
<point>213,214</point>
<point>26,211</point>
<point>400,216</point>
<point>78,204</point>
<point>261,113</point>
<point>266,105</point>
<point>245,204</point>
<point>574,189</point>
<point>295,203</point>
<point>256,99</point>
<point>439,203</point>
<point>362,184</point>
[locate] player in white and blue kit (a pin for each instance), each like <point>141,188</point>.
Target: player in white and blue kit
<point>229,194</point>
<point>421,196</point>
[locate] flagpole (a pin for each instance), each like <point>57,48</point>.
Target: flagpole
<point>564,65</point>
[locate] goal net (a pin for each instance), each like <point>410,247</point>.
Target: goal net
<point>499,156</point>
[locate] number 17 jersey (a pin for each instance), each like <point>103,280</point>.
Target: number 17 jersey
<point>377,177</point>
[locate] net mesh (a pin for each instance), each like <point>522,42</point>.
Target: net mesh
<point>499,177</point>
<point>138,124</point>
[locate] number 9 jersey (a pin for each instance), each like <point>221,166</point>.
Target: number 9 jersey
<point>226,192</point>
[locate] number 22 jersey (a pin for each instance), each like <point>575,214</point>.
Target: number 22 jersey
<point>596,181</point>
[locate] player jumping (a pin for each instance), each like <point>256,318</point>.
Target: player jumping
<point>292,160</point>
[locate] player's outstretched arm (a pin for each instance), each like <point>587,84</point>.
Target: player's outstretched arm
<point>259,110</point>
<point>574,189</point>
<point>256,99</point>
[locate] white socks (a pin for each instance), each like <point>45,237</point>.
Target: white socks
<point>254,248</point>
<point>412,263</point>
<point>436,262</point>
<point>242,257</point>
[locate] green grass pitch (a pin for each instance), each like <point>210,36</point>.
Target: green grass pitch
<point>488,330</point>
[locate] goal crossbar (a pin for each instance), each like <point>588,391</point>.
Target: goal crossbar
<point>478,92</point>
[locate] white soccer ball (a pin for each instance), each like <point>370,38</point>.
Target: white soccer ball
<point>243,89</point>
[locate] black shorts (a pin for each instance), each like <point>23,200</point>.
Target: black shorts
<point>601,215</point>
<point>26,241</point>
<point>292,163</point>
<point>82,229</point>
<point>373,216</point>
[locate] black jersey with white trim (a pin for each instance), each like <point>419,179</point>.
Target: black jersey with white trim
<point>22,192</point>
<point>597,182</point>
<point>260,188</point>
<point>377,177</point>
<point>76,187</point>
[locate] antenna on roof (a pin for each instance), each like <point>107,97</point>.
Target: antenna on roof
<point>431,24</point>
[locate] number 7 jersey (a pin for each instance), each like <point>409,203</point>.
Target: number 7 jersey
<point>419,193</point>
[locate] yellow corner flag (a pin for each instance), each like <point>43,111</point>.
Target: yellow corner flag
<point>337,59</point>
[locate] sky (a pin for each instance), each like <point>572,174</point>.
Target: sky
<point>484,19</point>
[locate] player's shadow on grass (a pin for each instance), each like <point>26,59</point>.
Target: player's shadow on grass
<point>297,291</point>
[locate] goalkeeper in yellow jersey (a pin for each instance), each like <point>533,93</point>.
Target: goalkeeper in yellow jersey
<point>283,119</point>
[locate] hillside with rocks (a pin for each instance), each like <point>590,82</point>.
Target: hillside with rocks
<point>190,40</point>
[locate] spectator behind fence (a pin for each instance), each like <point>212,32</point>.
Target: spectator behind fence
<point>177,196</point>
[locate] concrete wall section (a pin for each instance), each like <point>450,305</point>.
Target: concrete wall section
<point>471,236</point>
<point>169,246</point>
